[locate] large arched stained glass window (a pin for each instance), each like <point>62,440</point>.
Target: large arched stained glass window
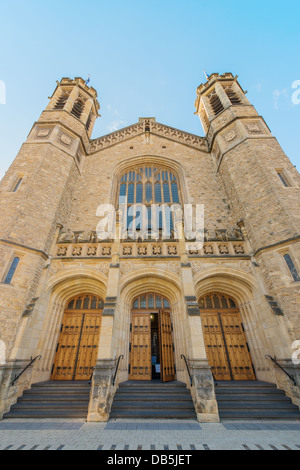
<point>150,185</point>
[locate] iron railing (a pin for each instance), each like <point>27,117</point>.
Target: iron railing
<point>188,369</point>
<point>117,368</point>
<point>273,359</point>
<point>27,367</point>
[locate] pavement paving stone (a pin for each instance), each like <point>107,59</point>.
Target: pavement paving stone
<point>132,435</point>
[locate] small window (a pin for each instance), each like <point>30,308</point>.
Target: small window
<point>292,268</point>
<point>283,179</point>
<point>12,271</point>
<point>17,185</point>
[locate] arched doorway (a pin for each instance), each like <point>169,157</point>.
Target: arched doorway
<point>151,346</point>
<point>225,340</point>
<point>77,349</point>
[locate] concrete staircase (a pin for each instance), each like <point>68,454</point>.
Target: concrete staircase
<point>153,400</point>
<point>254,400</point>
<point>52,400</point>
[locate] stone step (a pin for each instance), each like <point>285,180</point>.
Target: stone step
<point>48,391</point>
<point>143,405</point>
<point>44,414</point>
<point>155,397</point>
<point>154,414</point>
<point>150,400</point>
<point>257,415</point>
<point>253,398</point>
<point>257,406</point>
<point>244,383</point>
<point>49,405</point>
<point>54,398</point>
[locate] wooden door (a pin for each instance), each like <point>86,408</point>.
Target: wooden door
<point>88,348</point>
<point>225,341</point>
<point>67,348</point>
<point>140,356</point>
<point>166,342</point>
<point>237,347</point>
<point>77,349</point>
<point>215,346</point>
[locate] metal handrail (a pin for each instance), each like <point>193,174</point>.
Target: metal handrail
<point>273,359</point>
<point>187,366</point>
<point>17,377</point>
<point>114,379</point>
<point>91,378</point>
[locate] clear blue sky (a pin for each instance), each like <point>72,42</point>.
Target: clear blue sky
<point>147,59</point>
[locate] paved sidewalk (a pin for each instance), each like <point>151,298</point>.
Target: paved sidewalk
<point>148,435</point>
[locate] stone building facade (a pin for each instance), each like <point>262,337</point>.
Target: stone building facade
<point>53,263</point>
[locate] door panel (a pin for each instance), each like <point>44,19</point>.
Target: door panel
<point>140,358</point>
<point>166,341</point>
<point>67,349</point>
<point>239,356</point>
<point>215,347</point>
<point>88,350</point>
<point>226,345</point>
<point>77,350</point>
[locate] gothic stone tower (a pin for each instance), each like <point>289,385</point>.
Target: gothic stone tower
<point>263,188</point>
<point>35,200</point>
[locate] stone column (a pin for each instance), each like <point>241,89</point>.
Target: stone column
<point>202,388</point>
<point>102,390</point>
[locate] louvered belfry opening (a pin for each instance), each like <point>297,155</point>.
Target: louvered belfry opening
<point>60,104</point>
<point>216,104</point>
<point>234,99</point>
<point>78,108</point>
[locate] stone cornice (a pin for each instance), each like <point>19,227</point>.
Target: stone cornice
<point>149,126</point>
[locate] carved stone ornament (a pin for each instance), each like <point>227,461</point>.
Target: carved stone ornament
<point>77,250</point>
<point>106,251</point>
<point>230,136</point>
<point>43,132</point>
<point>92,251</point>
<point>208,250</point>
<point>197,267</point>
<point>142,250</point>
<point>127,250</point>
<point>253,127</point>
<point>239,250</point>
<point>223,249</point>
<point>65,139</point>
<point>174,267</point>
<point>126,267</point>
<point>157,250</point>
<point>62,251</point>
<point>172,250</point>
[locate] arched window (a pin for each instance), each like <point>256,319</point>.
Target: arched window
<point>155,188</point>
<point>12,270</point>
